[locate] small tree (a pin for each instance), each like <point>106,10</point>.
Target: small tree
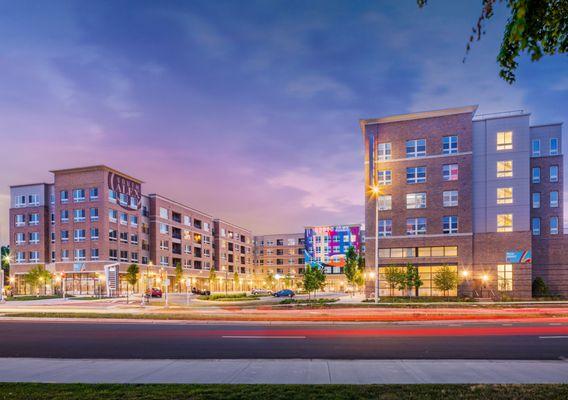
<point>37,275</point>
<point>179,275</point>
<point>394,277</point>
<point>212,277</point>
<point>314,279</point>
<point>131,278</point>
<point>413,277</point>
<point>236,280</point>
<point>539,288</point>
<point>351,268</point>
<point>445,279</point>
<point>270,280</point>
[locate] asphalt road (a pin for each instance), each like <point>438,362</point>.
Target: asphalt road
<point>80,339</point>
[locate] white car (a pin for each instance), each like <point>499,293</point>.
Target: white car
<point>261,292</point>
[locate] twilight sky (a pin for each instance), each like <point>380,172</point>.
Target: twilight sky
<point>247,110</point>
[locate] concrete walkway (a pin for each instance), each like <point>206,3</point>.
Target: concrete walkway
<point>281,371</point>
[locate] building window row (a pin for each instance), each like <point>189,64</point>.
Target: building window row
<point>414,175</point>
<point>552,174</point>
<point>31,200</point>
<point>553,227</point>
<point>416,148</point>
<point>553,148</point>
<point>79,195</point>
<point>418,226</point>
<point>418,200</point>
<point>412,252</point>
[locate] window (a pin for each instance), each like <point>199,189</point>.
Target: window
<point>20,238</point>
<point>20,201</point>
<point>34,237</point>
<point>123,255</point>
<point>384,151</point>
<point>134,257</point>
<point>112,235</point>
<point>52,198</point>
<point>535,176</point>
<point>64,215</point>
<point>385,177</point>
<point>80,255</point>
<point>34,256</point>
<point>64,236</point>
<point>113,254</point>
<point>33,200</point>
<point>450,198</point>
<point>415,175</point>
<point>554,199</point>
<point>505,195</point>
<point>123,199</point>
<point>123,218</point>
<point>164,229</point>
<point>133,203</point>
<point>450,172</point>
<point>385,227</point>
<point>450,225</point>
<point>504,140</point>
<point>94,254</point>
<point>52,234</point>
<point>112,196</point>
<point>20,220</point>
<point>415,200</point>
<point>34,219</point>
<point>536,200</point>
<point>123,237</point>
<point>554,225</point>
<point>64,195</point>
<point>78,195</point>
<point>505,223</point>
<point>94,193</point>
<point>415,148</point>
<point>134,220</point>
<point>385,202</point>
<point>112,215</point>
<point>504,169</point>
<point>450,145</point>
<point>79,235</point>
<point>79,215</point>
<point>163,213</point>
<point>94,214</point>
<point>187,221</point>
<point>535,226</point>
<point>416,226</point>
<point>553,146</point>
<point>20,257</point>
<point>505,277</point>
<point>164,260</point>
<point>554,173</point>
<point>535,148</point>
<point>134,238</point>
<point>94,233</point>
<point>64,255</point>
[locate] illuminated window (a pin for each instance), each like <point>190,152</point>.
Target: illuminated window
<point>384,151</point>
<point>505,140</point>
<point>505,277</point>
<point>385,202</point>
<point>504,195</point>
<point>505,223</point>
<point>415,200</point>
<point>504,169</point>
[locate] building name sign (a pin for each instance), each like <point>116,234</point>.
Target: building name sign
<point>122,185</point>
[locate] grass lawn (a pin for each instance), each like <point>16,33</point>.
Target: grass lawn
<point>29,298</point>
<point>31,391</point>
<point>228,297</point>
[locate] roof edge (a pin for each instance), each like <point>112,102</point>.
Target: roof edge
<point>94,168</point>
<point>420,115</point>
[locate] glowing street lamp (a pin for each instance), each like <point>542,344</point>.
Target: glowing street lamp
<point>484,278</point>
<point>375,191</point>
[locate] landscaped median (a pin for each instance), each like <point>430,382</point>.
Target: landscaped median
<point>228,297</point>
<point>33,391</point>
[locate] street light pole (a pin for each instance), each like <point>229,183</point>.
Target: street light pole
<point>375,193</point>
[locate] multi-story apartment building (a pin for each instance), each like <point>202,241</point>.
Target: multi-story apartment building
<point>481,195</point>
<point>233,254</point>
<point>281,256</point>
<point>91,223</point>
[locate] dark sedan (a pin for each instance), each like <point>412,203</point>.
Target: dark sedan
<point>285,293</point>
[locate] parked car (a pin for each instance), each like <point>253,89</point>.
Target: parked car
<point>285,293</point>
<point>261,292</point>
<point>200,292</point>
<point>154,292</point>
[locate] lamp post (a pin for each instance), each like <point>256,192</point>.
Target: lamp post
<point>5,259</point>
<point>375,193</point>
<point>484,279</point>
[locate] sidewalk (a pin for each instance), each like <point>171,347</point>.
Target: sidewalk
<point>282,371</point>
